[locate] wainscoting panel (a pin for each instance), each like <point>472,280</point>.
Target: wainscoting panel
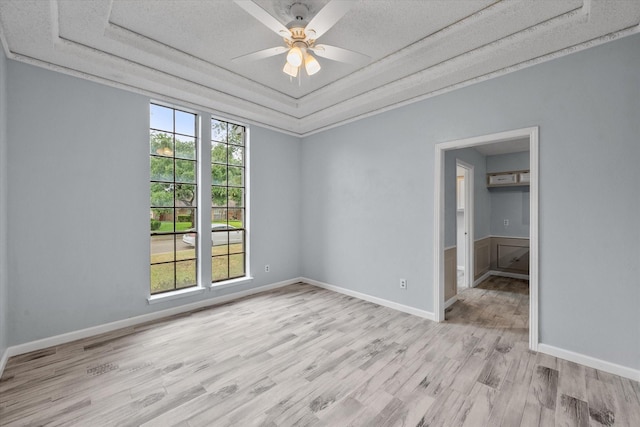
<point>510,254</point>
<point>450,273</point>
<point>482,260</point>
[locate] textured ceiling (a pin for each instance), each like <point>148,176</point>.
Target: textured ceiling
<point>182,49</point>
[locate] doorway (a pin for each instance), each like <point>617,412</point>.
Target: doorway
<point>464,224</point>
<point>532,135</point>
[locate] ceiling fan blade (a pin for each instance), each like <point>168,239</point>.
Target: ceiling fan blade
<point>261,54</point>
<point>263,16</point>
<point>339,54</point>
<point>327,17</point>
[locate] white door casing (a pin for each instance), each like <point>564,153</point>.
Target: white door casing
<point>532,133</point>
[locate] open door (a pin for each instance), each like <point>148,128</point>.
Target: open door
<point>464,223</point>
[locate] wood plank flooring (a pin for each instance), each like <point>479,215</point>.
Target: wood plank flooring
<point>302,355</point>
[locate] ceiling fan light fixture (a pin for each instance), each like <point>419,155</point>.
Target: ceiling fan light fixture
<point>290,69</point>
<point>301,34</point>
<point>294,57</point>
<point>311,64</point>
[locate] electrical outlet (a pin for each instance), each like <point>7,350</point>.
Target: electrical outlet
<point>267,268</point>
<point>403,283</point>
<point>506,222</point>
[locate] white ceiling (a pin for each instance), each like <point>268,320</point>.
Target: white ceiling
<point>182,49</point>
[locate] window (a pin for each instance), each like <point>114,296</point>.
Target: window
<point>175,141</point>
<point>227,200</point>
<point>173,195</point>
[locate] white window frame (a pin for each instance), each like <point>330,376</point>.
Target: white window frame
<point>203,182</point>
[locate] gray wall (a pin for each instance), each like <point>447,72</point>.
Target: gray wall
<point>481,196</point>
<point>78,205</point>
<point>366,210</point>
<point>4,306</point>
<point>511,203</point>
<point>361,212</point>
<point>507,162</point>
<point>275,206</point>
<point>368,200</point>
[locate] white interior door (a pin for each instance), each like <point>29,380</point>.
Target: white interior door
<point>464,223</point>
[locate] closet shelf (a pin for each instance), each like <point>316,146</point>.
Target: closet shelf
<point>508,179</point>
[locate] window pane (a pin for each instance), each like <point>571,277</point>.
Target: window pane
<point>185,274</point>
<point>236,265</point>
<point>236,217</point>
<point>161,118</point>
<point>186,219</point>
<point>219,196</point>
<point>236,134</point>
<point>186,195</point>
<point>172,198</point>
<point>218,131</point>
<point>228,157</point>
<point>161,194</point>
<point>186,171</point>
<point>161,248</point>
<point>162,277</point>
<point>187,240</point>
<point>219,215</point>
<point>165,217</point>
<point>219,152</point>
<point>236,242</point>
<point>219,268</point>
<point>185,123</point>
<point>154,224</point>
<point>220,241</point>
<point>161,144</point>
<point>236,155</point>
<point>186,246</point>
<point>236,176</point>
<point>235,197</point>
<point>185,147</point>
<point>219,174</point>
<point>161,169</point>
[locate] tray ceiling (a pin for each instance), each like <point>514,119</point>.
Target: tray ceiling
<point>181,50</point>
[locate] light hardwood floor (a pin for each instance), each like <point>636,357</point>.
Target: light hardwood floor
<point>301,355</point>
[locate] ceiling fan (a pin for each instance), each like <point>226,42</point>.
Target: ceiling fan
<point>300,36</point>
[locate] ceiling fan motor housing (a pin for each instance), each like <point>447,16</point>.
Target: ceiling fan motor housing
<point>297,33</point>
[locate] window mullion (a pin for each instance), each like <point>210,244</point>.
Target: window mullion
<point>204,200</point>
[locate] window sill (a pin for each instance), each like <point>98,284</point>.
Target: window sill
<point>231,283</point>
<point>182,293</point>
<point>168,296</point>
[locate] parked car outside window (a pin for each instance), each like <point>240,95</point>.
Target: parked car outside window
<point>219,234</point>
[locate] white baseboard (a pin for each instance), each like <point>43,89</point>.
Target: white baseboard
<point>481,279</point>
<point>450,301</point>
<point>499,274</point>
<point>510,275</point>
<point>623,371</point>
<point>386,303</point>
<point>510,237</point>
<point>132,321</point>
<point>3,360</point>
<point>592,362</point>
